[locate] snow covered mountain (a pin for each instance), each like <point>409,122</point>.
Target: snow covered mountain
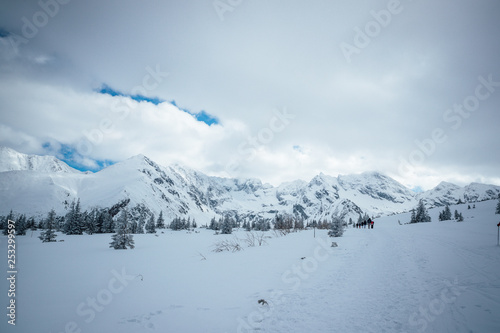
<point>12,160</point>
<point>35,184</point>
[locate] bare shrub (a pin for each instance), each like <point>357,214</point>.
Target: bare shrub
<point>252,239</point>
<point>231,245</point>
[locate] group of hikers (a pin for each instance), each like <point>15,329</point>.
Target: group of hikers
<point>364,224</point>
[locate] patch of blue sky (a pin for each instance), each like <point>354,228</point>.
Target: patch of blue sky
<point>71,157</point>
<point>202,116</point>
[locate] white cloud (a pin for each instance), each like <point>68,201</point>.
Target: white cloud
<point>264,56</point>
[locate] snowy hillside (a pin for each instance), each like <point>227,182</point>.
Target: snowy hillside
<point>441,277</point>
<point>35,184</point>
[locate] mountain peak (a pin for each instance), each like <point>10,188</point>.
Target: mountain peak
<point>11,160</point>
<point>177,190</point>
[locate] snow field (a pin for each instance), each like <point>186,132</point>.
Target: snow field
<point>427,277</point>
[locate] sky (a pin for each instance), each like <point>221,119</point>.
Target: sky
<point>269,89</point>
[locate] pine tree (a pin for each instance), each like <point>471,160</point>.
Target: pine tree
<point>60,223</point>
<point>246,225</point>
<point>336,227</point>
<point>422,215</point>
<point>132,226</point>
<point>176,223</point>
<point>98,221</point>
<point>227,227</point>
<point>194,225</point>
<point>413,218</point>
<point>108,225</point>
<point>74,220</point>
<point>31,223</point>
<point>160,223</point>
<point>141,224</point>
<point>150,225</point>
<point>445,215</point>
<point>458,216</point>
<point>496,212</point>
<point>88,222</point>
<point>49,235</point>
<point>122,239</point>
<point>6,222</point>
<point>213,224</point>
<point>21,225</point>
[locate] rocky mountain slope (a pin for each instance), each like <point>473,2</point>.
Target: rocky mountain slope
<point>33,185</point>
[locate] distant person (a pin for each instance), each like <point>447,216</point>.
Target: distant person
<point>373,222</point>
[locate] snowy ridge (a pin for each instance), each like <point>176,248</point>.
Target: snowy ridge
<point>11,160</point>
<point>35,184</point>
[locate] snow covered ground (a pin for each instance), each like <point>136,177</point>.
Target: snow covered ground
<point>428,277</point>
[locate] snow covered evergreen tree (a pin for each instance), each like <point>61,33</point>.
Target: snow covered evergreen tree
<point>498,206</point>
<point>150,225</point>
<point>246,225</point>
<point>90,221</point>
<point>21,225</point>
<point>6,222</point>
<point>445,215</point>
<point>336,227</point>
<point>160,223</point>
<point>458,216</point>
<point>122,239</point>
<point>227,226</point>
<point>213,224</point>
<point>74,221</point>
<point>413,218</point>
<point>179,223</point>
<point>31,223</point>
<point>49,235</point>
<point>262,225</point>
<point>108,225</point>
<point>98,221</point>
<point>421,214</point>
<point>140,224</point>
